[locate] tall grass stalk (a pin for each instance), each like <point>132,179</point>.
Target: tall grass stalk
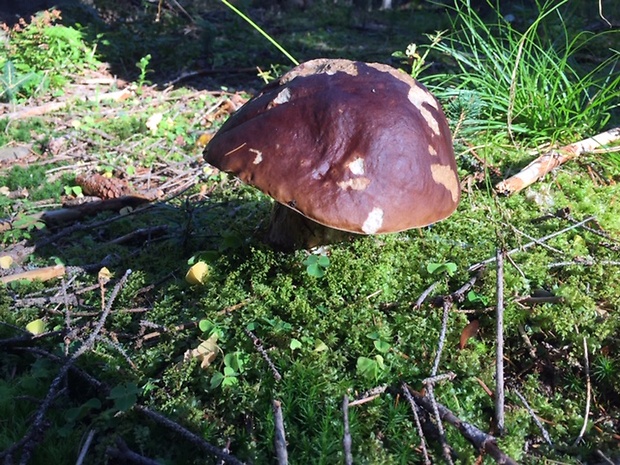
<point>261,31</point>
<point>528,84</point>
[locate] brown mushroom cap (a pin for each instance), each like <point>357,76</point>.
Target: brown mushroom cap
<point>359,147</point>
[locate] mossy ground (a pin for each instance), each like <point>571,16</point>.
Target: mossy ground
<point>352,330</point>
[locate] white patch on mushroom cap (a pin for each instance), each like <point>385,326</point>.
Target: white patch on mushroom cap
<point>357,166</point>
<point>259,156</point>
<point>373,221</point>
<point>283,97</point>
<point>432,150</point>
<point>357,184</point>
<point>445,175</point>
<point>419,97</point>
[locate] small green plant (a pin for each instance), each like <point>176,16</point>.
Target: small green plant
<point>371,368</point>
<point>234,365</point>
<point>316,265</point>
<point>448,268</point>
<point>124,395</point>
<point>42,55</point>
<point>74,191</point>
<point>143,67</point>
<point>12,82</point>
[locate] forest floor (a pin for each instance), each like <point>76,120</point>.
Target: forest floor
<point>115,349</point>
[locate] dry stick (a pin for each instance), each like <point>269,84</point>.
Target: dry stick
<point>533,415</point>
<point>445,448</point>
<point>280,436</point>
<point>414,409</point>
<point>480,439</point>
<point>38,424</point>
<point>188,435</point>
<point>447,303</point>
<point>478,265</point>
<point>263,352</point>
<point>346,440</point>
<point>124,454</point>
<point>554,158</point>
<point>588,393</point>
<point>499,350</point>
<point>85,447</point>
<point>424,295</point>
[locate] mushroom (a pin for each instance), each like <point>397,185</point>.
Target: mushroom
<point>343,147</point>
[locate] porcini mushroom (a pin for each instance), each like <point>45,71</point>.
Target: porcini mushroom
<point>343,147</point>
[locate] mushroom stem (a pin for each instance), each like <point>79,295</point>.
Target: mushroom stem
<point>289,230</point>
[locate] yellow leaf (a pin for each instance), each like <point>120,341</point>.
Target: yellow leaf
<point>153,122</point>
<point>36,326</point>
<point>6,261</point>
<point>206,352</point>
<point>204,139</point>
<point>104,275</point>
<point>197,273</point>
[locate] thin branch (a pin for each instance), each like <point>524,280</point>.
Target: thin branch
<point>279,436</point>
<point>534,417</point>
<point>499,349</point>
<point>188,435</point>
<point>424,295</point>
<point>481,440</point>
<point>85,447</point>
<point>416,416</point>
<point>39,425</point>
<point>263,352</point>
<point>124,454</point>
<point>554,158</point>
<point>447,303</point>
<point>346,440</point>
<point>478,265</point>
<point>586,415</point>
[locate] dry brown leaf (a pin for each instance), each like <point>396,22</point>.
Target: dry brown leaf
<point>468,332</point>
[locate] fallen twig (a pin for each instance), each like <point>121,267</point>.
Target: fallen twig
<point>55,106</point>
<point>416,417</point>
<point>586,415</point>
<point>263,352</point>
<point>478,265</point>
<point>346,440</point>
<point>124,454</point>
<point>42,274</point>
<point>85,447</point>
<point>38,425</point>
<point>188,435</point>
<point>554,158</point>
<point>534,417</point>
<point>499,349</point>
<point>481,440</point>
<point>279,436</point>
<point>447,303</point>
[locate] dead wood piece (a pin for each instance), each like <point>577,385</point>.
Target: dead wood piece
<point>480,440</point>
<point>280,436</point>
<point>69,214</point>
<point>346,440</point>
<point>42,274</point>
<point>554,158</point>
<point>123,454</point>
<point>188,435</point>
<point>55,106</point>
<point>499,348</point>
